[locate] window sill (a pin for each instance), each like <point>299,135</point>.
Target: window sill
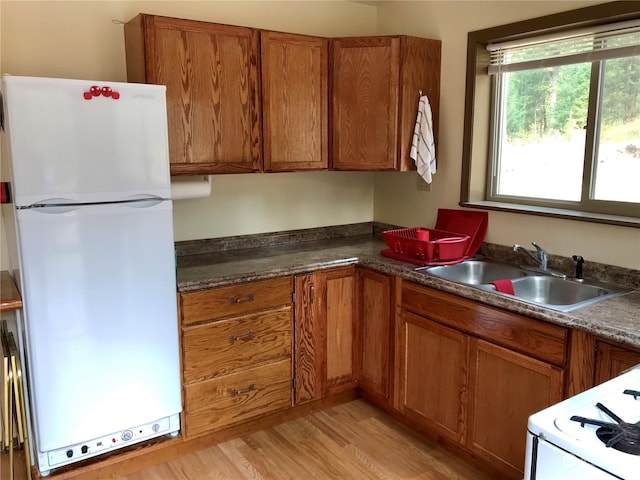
<point>556,213</point>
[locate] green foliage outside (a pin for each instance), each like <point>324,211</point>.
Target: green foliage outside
<point>621,132</point>
<point>553,101</point>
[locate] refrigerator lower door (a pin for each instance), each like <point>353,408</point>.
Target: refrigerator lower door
<point>99,295</point>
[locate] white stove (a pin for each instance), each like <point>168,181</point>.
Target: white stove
<point>594,435</point>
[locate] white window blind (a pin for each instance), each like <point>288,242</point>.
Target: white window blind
<point>577,46</point>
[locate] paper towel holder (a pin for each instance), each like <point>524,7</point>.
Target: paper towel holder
<point>190,187</point>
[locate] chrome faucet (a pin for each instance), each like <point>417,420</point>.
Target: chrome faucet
<point>541,257</point>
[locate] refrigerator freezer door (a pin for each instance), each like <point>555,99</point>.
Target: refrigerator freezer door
<point>100,318</point>
<point>88,150</point>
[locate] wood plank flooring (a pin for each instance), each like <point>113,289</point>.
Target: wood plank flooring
<point>352,441</point>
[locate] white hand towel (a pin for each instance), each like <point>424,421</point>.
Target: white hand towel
<point>423,149</point>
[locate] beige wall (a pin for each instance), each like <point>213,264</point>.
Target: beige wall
<point>397,199</point>
<point>79,39</point>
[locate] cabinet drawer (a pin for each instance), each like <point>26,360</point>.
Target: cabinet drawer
<point>222,347</point>
<point>532,337</point>
<point>234,398</point>
<point>239,299</point>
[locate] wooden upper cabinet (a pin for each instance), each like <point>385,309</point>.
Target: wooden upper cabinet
<point>213,98</point>
<point>294,101</point>
<point>236,94</point>
<point>376,85</point>
<point>365,102</point>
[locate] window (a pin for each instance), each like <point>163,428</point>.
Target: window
<point>553,111</point>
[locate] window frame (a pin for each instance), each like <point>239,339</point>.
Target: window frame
<point>477,62</point>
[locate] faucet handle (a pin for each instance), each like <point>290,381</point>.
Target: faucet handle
<point>538,248</point>
<point>542,255</point>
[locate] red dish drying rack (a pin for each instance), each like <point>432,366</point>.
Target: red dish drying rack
<point>426,245</point>
<point>458,235</point>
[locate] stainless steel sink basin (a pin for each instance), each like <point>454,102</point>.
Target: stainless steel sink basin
<point>562,294</point>
<point>476,272</point>
<point>529,286</point>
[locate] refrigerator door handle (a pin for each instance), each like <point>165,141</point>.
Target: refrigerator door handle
<point>63,205</point>
<point>52,205</point>
<point>144,200</point>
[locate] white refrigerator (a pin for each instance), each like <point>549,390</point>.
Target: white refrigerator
<point>94,236</point>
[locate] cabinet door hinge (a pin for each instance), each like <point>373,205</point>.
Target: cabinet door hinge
<point>293,297</point>
<point>293,383</point>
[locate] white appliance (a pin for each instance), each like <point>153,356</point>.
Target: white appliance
<point>93,217</point>
<point>594,435</point>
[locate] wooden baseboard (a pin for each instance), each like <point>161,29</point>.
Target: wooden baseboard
<point>137,457</point>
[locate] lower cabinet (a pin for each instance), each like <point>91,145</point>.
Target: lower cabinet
<point>337,318</point>
<point>327,348</point>
<point>435,375</point>
<point>236,353</point>
<point>612,360</point>
<point>461,370</point>
<point>229,399</point>
<point>376,316</point>
<point>474,374</point>
<point>505,388</point>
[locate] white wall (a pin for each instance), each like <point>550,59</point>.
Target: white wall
<point>397,199</point>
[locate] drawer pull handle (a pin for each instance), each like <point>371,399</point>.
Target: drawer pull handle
<point>234,300</point>
<point>234,392</point>
<point>246,336</point>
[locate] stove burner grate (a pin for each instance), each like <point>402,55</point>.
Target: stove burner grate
<point>625,438</point>
<point>634,393</point>
<point>621,435</point>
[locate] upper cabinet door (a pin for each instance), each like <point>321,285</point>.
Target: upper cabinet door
<point>376,86</point>
<point>365,102</point>
<point>294,101</point>
<point>213,102</point>
<point>420,74</point>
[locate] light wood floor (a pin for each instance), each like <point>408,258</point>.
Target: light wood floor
<point>353,441</point>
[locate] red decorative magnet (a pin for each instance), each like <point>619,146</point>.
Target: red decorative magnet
<point>96,91</point>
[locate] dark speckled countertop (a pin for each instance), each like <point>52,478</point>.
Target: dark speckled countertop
<point>206,264</point>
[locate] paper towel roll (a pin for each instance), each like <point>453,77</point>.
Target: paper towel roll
<point>190,187</point>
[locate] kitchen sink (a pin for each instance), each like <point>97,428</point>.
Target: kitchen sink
<point>476,272</point>
<point>563,294</point>
<point>529,286</point>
